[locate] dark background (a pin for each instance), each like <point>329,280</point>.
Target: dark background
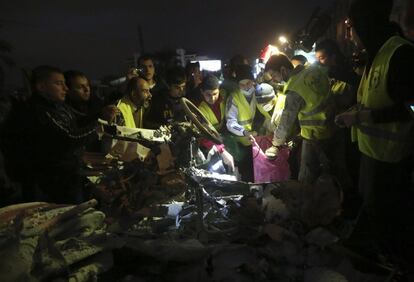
<point>97,37</point>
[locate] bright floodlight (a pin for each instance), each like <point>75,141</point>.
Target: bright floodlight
<point>210,65</point>
<point>283,39</point>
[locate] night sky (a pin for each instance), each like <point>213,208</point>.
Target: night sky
<point>97,37</point>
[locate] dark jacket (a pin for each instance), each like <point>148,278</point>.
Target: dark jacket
<point>43,142</point>
<point>164,109</point>
<point>54,132</point>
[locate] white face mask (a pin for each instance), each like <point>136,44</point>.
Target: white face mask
<point>268,107</point>
<point>248,92</point>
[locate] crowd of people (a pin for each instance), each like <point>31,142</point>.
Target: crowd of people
<point>333,116</point>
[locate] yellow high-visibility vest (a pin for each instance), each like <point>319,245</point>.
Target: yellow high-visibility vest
<point>339,87</point>
<point>387,142</point>
<point>280,105</point>
<point>244,116</point>
<point>133,117</point>
<point>211,117</point>
<point>312,84</point>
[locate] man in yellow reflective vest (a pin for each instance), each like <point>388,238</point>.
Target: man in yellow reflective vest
<point>213,103</point>
<point>383,126</point>
<point>307,100</point>
<point>134,103</point>
<point>240,112</point>
<point>265,120</point>
<point>213,107</point>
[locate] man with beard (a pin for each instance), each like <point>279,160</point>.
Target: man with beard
<point>133,105</point>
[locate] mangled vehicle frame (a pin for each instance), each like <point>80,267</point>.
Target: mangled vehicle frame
<point>162,216</point>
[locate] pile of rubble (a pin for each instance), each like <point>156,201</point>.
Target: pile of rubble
<point>276,232</point>
<point>45,242</point>
<point>277,236</point>
<point>221,229</point>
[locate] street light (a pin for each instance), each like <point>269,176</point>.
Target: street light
<point>283,39</point>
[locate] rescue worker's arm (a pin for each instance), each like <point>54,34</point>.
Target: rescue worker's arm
<point>294,102</point>
<point>400,89</point>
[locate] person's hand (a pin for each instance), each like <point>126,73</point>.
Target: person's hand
<point>227,159</point>
<point>250,135</point>
<point>272,152</point>
<point>347,119</point>
<point>109,113</point>
<point>132,72</point>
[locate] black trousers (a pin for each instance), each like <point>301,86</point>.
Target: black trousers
<point>388,204</point>
<point>245,164</point>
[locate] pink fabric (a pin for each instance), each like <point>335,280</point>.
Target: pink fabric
<point>205,143</point>
<point>266,170</point>
<point>220,148</point>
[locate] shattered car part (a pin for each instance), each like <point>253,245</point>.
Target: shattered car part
<point>42,241</point>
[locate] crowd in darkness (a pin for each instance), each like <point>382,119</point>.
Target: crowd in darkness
<point>356,125</point>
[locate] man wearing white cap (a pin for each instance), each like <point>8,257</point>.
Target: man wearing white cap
<point>266,104</point>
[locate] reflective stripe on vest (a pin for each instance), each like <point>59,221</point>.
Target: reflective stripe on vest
<point>339,87</point>
<point>380,132</point>
<point>312,84</point>
<point>246,122</point>
<point>312,122</point>
<point>280,105</point>
<point>387,142</point>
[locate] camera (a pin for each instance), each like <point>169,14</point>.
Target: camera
<point>139,71</point>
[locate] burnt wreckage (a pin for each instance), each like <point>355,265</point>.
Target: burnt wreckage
<point>162,216</point>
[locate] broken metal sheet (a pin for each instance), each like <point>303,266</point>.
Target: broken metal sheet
<point>8,213</point>
<point>46,240</point>
<point>161,135</point>
<point>128,151</point>
<point>87,223</point>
